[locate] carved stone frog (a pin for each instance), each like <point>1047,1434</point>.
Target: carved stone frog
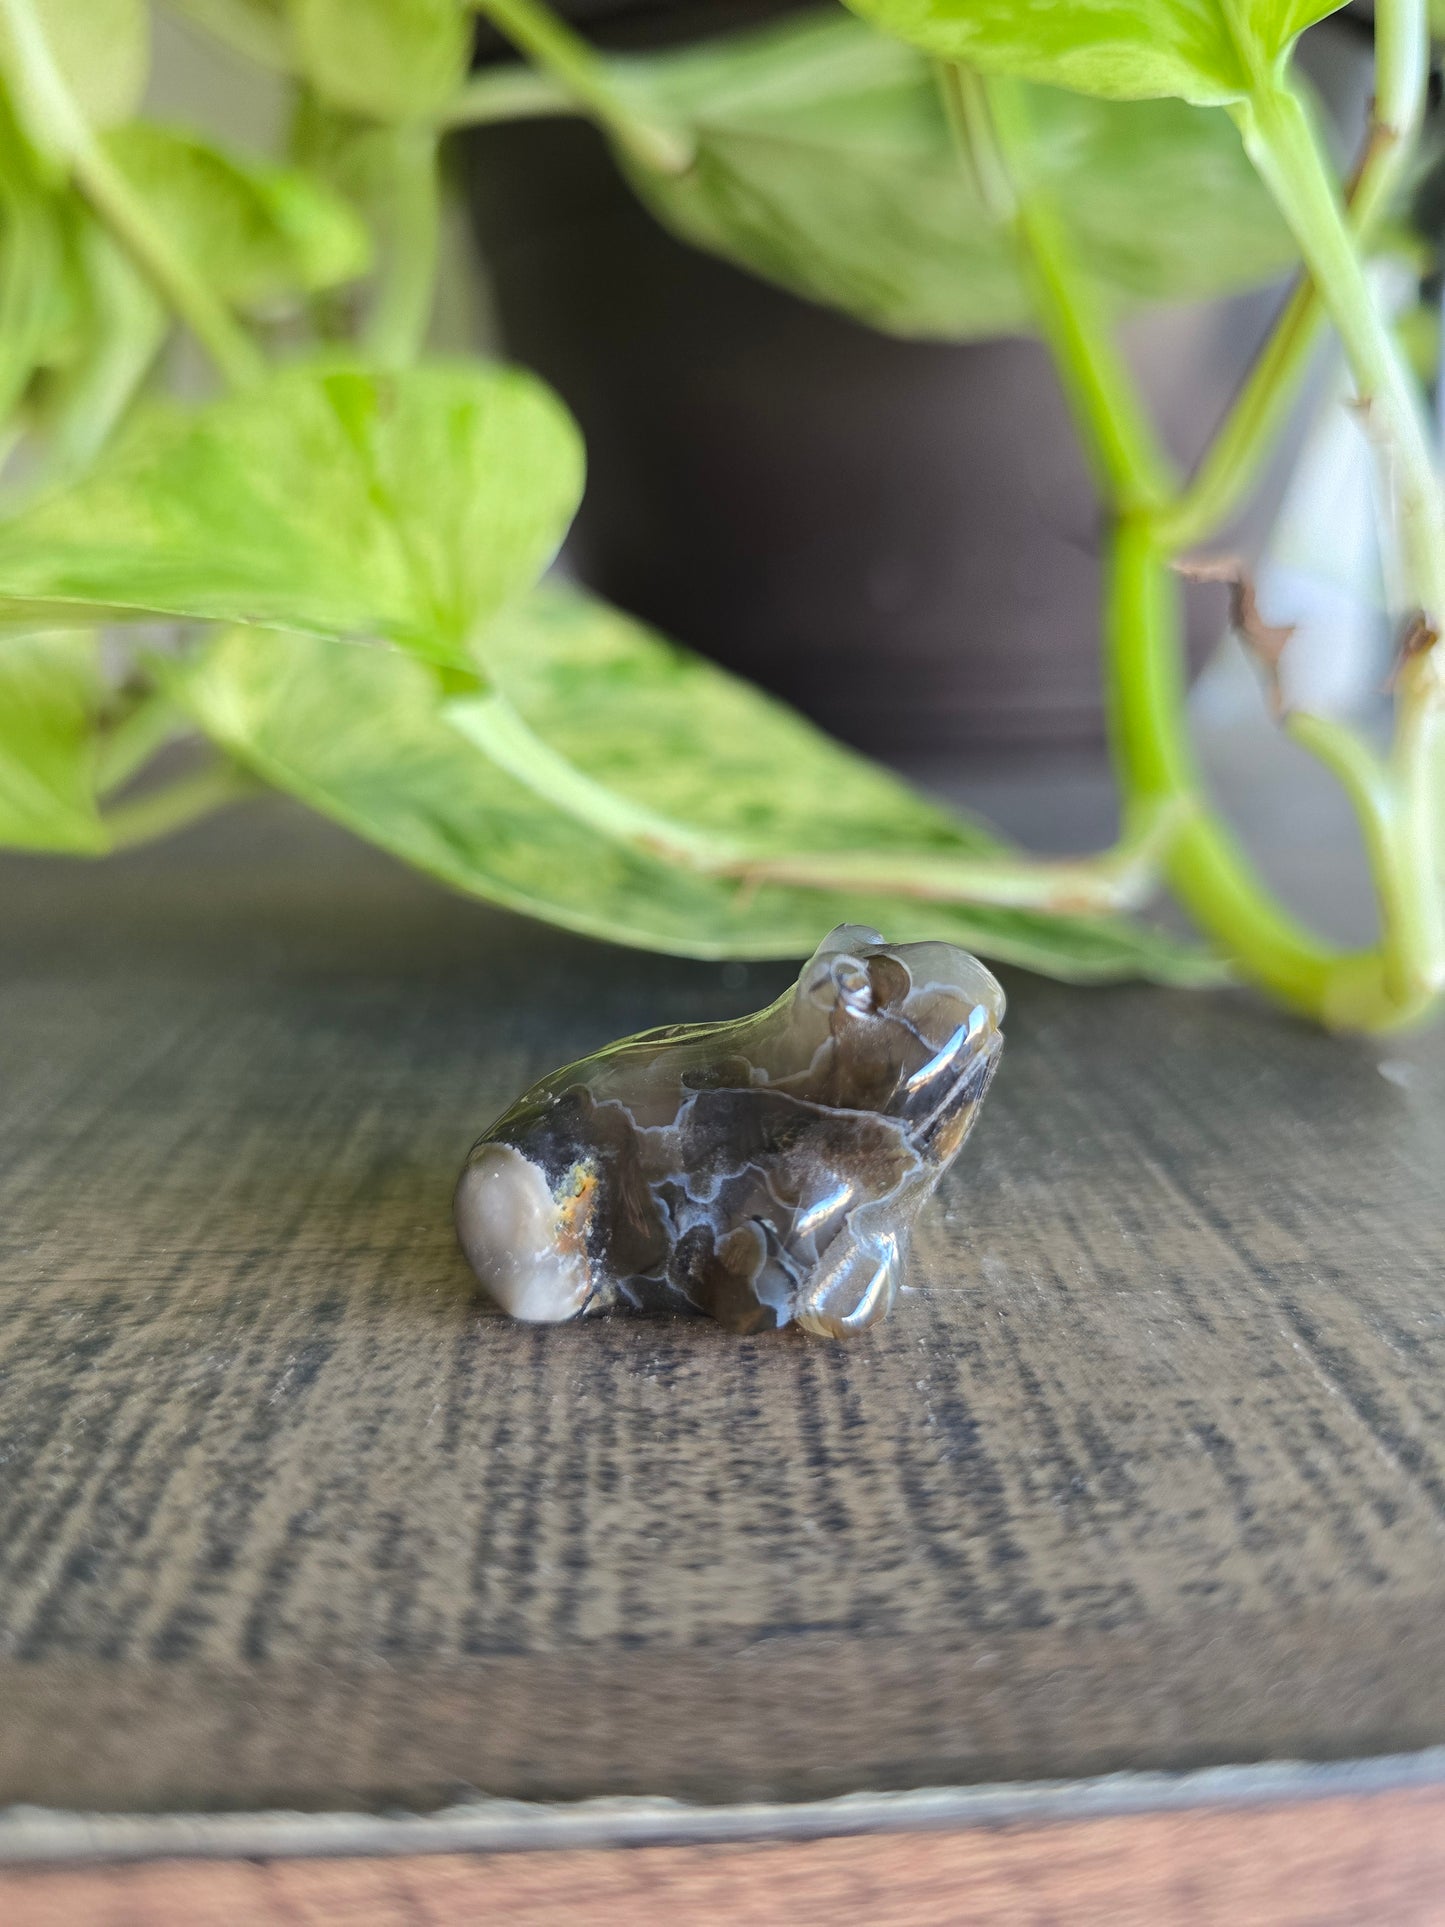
<point>762,1171</point>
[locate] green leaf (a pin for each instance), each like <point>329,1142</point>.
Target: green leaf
<point>256,232</point>
<point>41,295</point>
<point>361,161</point>
<point>98,51</point>
<point>78,328</point>
<point>388,59</point>
<point>45,306</point>
<point>49,699</point>
<point>1210,52</point>
<point>102,47</point>
<point>363,736</point>
<point>825,162</point>
<point>408,507</point>
<point>122,329</point>
<point>668,729</point>
<point>386,173</point>
<point>356,159</point>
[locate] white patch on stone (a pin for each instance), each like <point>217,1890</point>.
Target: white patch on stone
<point>507,1223</point>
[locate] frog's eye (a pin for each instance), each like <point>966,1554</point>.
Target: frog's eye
<point>850,978</point>
<point>836,979</point>
<point>863,987</point>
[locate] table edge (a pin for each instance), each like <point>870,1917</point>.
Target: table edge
<point>40,1836</point>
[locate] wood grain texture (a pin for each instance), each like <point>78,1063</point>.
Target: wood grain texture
<point>1332,1863</point>
<point>1149,1470</point>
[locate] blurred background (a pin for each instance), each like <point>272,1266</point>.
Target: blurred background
<point>901,537</point>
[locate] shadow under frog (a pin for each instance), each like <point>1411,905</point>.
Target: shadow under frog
<point>763,1171</point>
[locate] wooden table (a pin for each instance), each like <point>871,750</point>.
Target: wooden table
<point>1146,1474</point>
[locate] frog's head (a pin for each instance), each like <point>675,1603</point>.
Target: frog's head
<point>914,1029</point>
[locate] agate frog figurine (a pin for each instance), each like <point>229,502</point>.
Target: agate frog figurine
<point>763,1171</point>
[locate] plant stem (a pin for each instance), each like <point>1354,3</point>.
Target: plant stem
<point>110,194</point>
<point>497,728</point>
<point>539,34</point>
<point>1208,872</point>
<point>1247,432</point>
<point>235,356</point>
<point>162,811</point>
<point>1144,663</point>
<point>397,326</point>
<point>1145,692</point>
<point>1120,879</point>
<point>507,93</point>
<point>1371,788</point>
<point>991,120</point>
<point>1281,143</point>
<point>1402,75</point>
<point>1144,674</point>
<point>1343,989</point>
<point>1233,458</point>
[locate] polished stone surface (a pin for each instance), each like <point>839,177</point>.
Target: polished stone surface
<point>765,1171</point>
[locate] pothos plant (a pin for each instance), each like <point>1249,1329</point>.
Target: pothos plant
<point>327,567</point>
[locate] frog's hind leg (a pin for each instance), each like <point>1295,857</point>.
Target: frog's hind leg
<point>854,1283</point>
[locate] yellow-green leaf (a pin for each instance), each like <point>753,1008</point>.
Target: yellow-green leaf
<point>65,57</point>
<point>257,232</point>
<point>823,160</point>
<point>388,59</point>
<point>364,737</point>
<point>408,507</point>
<point>49,699</point>
<point>1207,51</point>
